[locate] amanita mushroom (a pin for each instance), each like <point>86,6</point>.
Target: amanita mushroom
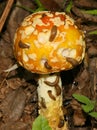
<point>47,43</point>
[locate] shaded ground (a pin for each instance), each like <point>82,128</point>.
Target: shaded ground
<point>18,96</point>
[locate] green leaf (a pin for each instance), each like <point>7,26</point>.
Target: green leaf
<point>88,108</point>
<point>69,6</point>
<point>81,98</point>
<point>40,9</point>
<point>41,123</point>
<point>93,114</point>
<point>93,32</point>
<point>38,3</point>
<point>92,12</point>
<point>40,6</point>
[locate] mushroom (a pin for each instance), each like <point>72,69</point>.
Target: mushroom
<point>46,43</point>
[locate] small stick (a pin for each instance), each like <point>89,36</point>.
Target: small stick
<point>5,13</point>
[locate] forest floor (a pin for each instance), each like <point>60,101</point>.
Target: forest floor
<point>18,88</point>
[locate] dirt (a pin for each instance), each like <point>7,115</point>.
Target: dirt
<point>18,88</point>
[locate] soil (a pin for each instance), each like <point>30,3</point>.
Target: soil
<point>18,88</point>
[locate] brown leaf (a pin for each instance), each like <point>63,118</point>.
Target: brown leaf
<point>87,4</point>
<point>13,105</point>
<point>79,118</point>
<point>14,126</point>
<point>86,17</point>
<point>51,5</point>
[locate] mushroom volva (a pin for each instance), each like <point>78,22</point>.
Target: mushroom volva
<point>46,43</point>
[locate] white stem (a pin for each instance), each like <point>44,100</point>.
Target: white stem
<point>50,100</point>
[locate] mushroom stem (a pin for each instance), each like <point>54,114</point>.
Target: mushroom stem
<point>50,101</point>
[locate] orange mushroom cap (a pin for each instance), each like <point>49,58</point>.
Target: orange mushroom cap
<point>48,42</point>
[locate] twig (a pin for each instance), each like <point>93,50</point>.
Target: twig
<point>4,80</point>
<point>14,67</point>
<point>5,13</point>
